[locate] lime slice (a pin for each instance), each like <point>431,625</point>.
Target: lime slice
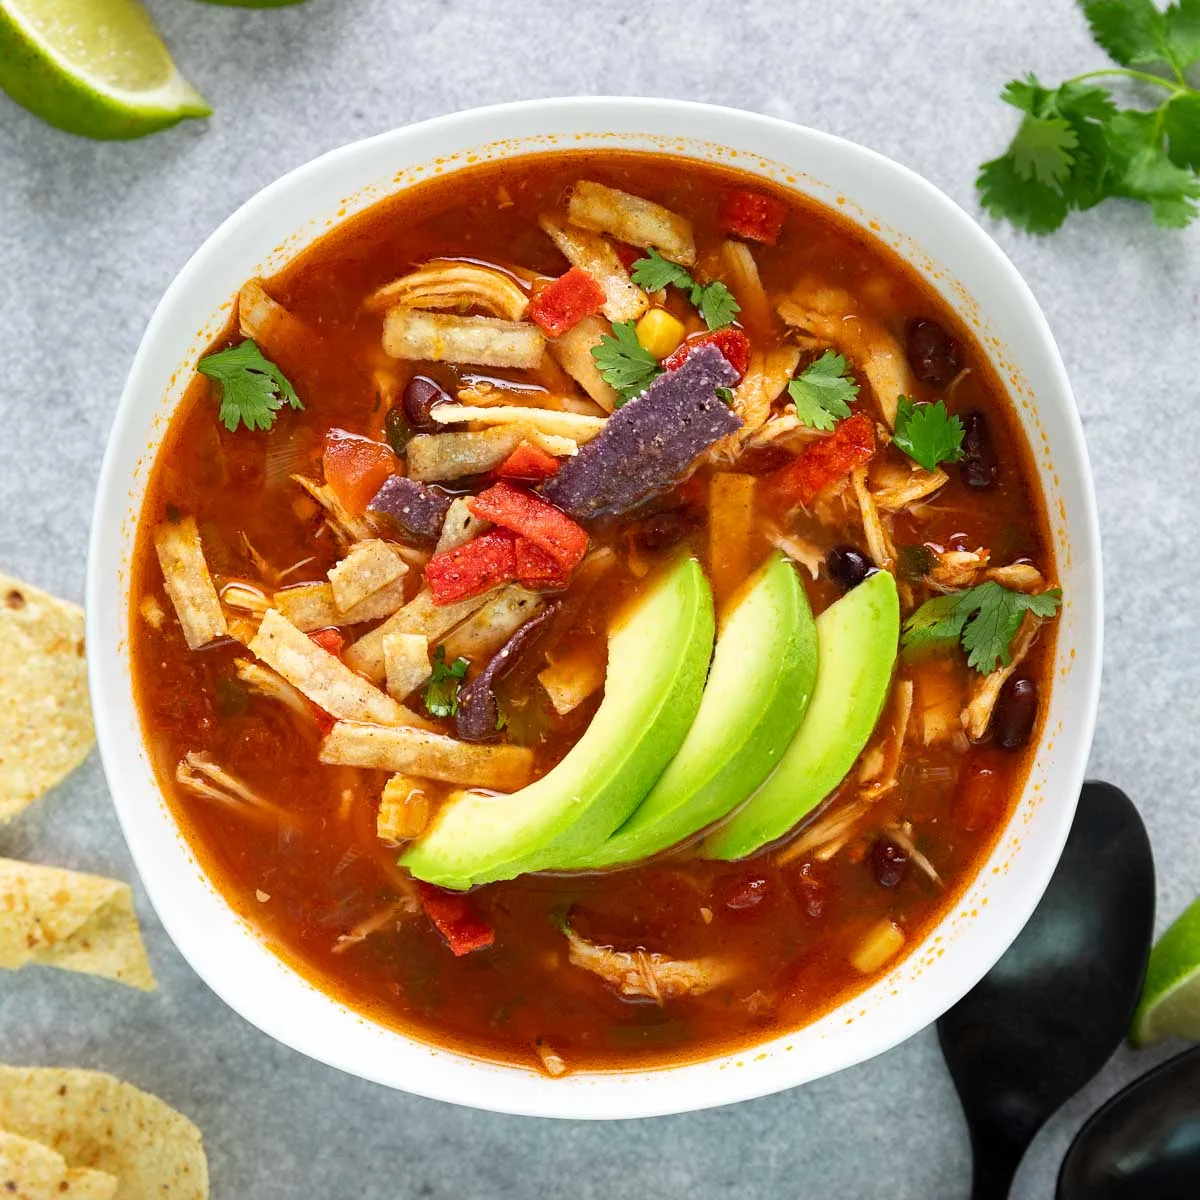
<point>1170,1003</point>
<point>92,67</point>
<point>254,3</point>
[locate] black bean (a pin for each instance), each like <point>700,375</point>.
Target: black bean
<point>978,464</point>
<point>1015,713</point>
<point>932,353</point>
<point>848,567</point>
<point>662,530</point>
<point>889,862</point>
<point>421,394</point>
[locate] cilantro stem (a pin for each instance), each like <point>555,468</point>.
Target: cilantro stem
<point>1176,89</point>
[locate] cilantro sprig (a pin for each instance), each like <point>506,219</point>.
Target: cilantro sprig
<point>822,391</point>
<point>441,692</point>
<point>927,433</point>
<point>253,389</point>
<point>984,618</point>
<point>1075,148</point>
<point>714,301</point>
<point>627,366</point>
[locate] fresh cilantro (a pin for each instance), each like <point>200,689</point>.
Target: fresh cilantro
<point>441,692</point>
<point>822,391</point>
<point>1074,148</point>
<point>714,301</point>
<point>627,366</point>
<point>725,395</point>
<point>984,618</point>
<point>927,433</point>
<point>253,388</point>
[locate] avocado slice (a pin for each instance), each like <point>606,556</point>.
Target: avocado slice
<point>658,655</point>
<point>762,677</point>
<point>857,639</point>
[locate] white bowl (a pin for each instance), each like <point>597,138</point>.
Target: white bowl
<point>908,214</point>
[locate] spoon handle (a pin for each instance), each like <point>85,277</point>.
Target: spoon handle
<point>995,1167</point>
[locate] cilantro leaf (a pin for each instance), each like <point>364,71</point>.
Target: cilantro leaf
<point>441,692</point>
<point>1141,169</point>
<point>927,433</point>
<point>1183,32</point>
<point>716,304</point>
<point>1129,31</point>
<point>1181,121</point>
<point>653,273</point>
<point>822,391</point>
<point>1042,149</point>
<point>714,301</point>
<point>937,623</point>
<point>253,389</point>
<point>1029,205</point>
<point>627,366</point>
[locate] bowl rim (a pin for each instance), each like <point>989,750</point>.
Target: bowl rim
<point>604,1098</point>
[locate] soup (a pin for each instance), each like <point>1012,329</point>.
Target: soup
<point>593,611</point>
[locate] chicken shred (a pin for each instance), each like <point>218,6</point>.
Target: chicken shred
<point>900,488</point>
<point>202,775</point>
<point>978,714</point>
<point>799,550</point>
<point>956,569</point>
<point>822,839</point>
<point>344,525</point>
<point>879,540</point>
<point>882,761</point>
<point>266,682</point>
<point>764,382</point>
<point>1020,577</point>
<point>640,973</point>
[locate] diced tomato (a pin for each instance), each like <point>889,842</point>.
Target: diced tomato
<point>329,639</point>
<point>528,462</point>
<point>850,445</point>
<point>355,467</point>
<point>535,566</point>
<point>473,568</point>
<point>456,920</point>
<point>628,254</point>
<point>731,342</point>
<point>535,519</point>
<point>565,301</point>
<point>753,215</point>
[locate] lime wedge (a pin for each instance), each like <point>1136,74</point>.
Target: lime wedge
<point>92,67</point>
<point>254,3</point>
<point>1170,1003</point>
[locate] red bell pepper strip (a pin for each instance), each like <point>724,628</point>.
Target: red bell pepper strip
<point>528,462</point>
<point>455,918</point>
<point>850,445</point>
<point>537,568</point>
<point>564,302</point>
<point>731,342</point>
<point>329,639</point>
<point>535,519</point>
<point>753,215</point>
<point>473,568</point>
<point>355,467</point>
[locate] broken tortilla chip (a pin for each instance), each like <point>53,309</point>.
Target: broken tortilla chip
<point>31,1171</point>
<point>97,1123</point>
<point>45,719</point>
<point>58,918</point>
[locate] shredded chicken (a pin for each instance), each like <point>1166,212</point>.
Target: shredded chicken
<point>765,381</point>
<point>829,832</point>
<point>882,761</point>
<point>245,597</point>
<point>374,923</point>
<point>453,285</point>
<point>879,540</point>
<point>202,775</point>
<point>956,569</point>
<point>939,700</point>
<point>344,525</point>
<point>639,973</point>
<point>978,714</point>
<point>552,1063</point>
<point>799,550</point>
<point>900,488</point>
<point>266,682</point>
<point>1020,577</point>
<point>267,571</point>
<point>902,835</point>
<point>152,611</point>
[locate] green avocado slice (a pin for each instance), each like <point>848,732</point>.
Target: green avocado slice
<point>857,638</point>
<point>658,655</point>
<point>762,677</point>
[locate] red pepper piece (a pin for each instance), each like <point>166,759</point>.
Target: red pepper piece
<point>753,215</point>
<point>731,342</point>
<point>528,462</point>
<point>473,568</point>
<point>850,445</point>
<point>565,301</point>
<point>535,519</point>
<point>456,920</point>
<point>628,254</point>
<point>329,639</point>
<point>537,568</point>
<point>355,467</point>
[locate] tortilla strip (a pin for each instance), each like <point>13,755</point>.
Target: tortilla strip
<point>545,420</point>
<point>188,583</point>
<point>623,299</point>
<point>322,676</point>
<point>459,526</point>
<point>311,606</point>
<point>455,285</point>
<point>571,680</point>
<point>419,615</point>
<point>406,659</point>
<point>57,918</point>
<point>410,333</point>
<point>436,456</point>
<point>632,219</point>
<point>45,719</point>
<point>31,1171</point>
<point>428,755</point>
<point>370,566</point>
<point>266,321</point>
<point>97,1122</point>
<point>573,352</point>
<point>489,628</point>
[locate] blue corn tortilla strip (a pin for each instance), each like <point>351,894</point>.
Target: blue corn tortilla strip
<point>649,443</point>
<point>416,509</point>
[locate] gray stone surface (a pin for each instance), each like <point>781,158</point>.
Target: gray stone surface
<point>90,235</point>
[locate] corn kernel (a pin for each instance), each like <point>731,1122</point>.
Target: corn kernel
<point>659,332</point>
<point>880,943</point>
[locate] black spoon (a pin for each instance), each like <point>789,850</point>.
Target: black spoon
<point>1144,1144</point>
<point>1049,1014</point>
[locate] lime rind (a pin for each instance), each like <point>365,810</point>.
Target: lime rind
<point>1170,1003</point>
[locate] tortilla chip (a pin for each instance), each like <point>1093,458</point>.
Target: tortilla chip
<point>99,1123</point>
<point>45,719</point>
<point>188,582</point>
<point>58,918</point>
<point>31,1171</point>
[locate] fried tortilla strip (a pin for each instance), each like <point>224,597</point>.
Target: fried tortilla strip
<point>322,676</point>
<point>58,918</point>
<point>188,583</point>
<point>45,719</point>
<point>453,285</point>
<point>638,973</point>
<point>428,755</point>
<point>573,352</point>
<point>31,1171</point>
<point>410,333</point>
<point>267,322</point>
<point>436,456</point>
<point>491,626</point>
<point>570,680</point>
<point>460,526</point>
<point>406,659</point>
<point>370,566</point>
<point>557,424</point>
<point>98,1123</point>
<point>311,606</point>
<point>632,219</point>
<point>623,299</point>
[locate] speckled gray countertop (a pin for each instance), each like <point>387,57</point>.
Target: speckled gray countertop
<point>91,234</point>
